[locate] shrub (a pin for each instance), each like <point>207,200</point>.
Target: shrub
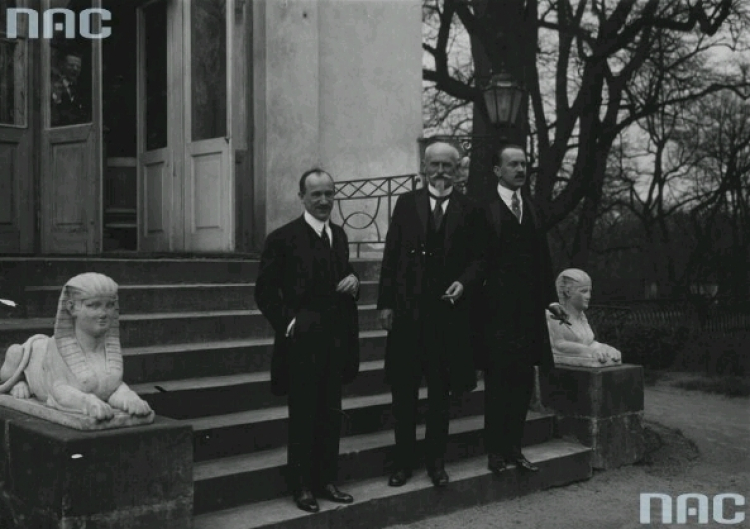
<point>652,346</point>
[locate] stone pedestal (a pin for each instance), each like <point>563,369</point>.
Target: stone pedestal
<point>601,408</point>
<point>56,477</point>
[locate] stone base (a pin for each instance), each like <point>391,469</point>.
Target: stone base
<point>601,408</point>
<point>52,477</point>
<point>71,419</point>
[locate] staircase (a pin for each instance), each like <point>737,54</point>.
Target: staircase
<point>198,349</point>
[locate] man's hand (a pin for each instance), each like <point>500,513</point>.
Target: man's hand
<point>386,319</point>
<point>454,292</point>
<point>348,285</point>
<point>558,313</point>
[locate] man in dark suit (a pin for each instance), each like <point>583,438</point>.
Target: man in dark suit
<point>307,290</point>
<point>510,313</point>
<point>430,264</point>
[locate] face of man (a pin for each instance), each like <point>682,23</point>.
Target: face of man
<point>511,172</point>
<point>73,66</point>
<point>318,196</point>
<point>440,164</point>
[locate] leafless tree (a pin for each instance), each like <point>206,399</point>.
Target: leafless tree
<point>612,62</point>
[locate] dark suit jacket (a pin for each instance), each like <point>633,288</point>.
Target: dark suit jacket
<point>493,348</point>
<point>283,289</point>
<point>401,284</point>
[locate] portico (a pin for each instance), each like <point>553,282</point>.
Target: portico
<point>185,129</point>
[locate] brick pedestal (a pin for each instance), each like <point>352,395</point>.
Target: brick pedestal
<point>56,477</point>
<point>601,408</point>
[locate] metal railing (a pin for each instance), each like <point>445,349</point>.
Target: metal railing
<point>364,208</point>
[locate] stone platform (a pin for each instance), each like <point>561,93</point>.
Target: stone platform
<point>601,408</point>
<point>53,477</point>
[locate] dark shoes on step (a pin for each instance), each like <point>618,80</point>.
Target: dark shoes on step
<point>399,477</point>
<point>497,464</point>
<point>305,500</point>
<point>331,493</point>
<point>438,475</point>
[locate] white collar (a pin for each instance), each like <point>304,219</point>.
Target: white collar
<point>506,194</point>
<point>316,224</point>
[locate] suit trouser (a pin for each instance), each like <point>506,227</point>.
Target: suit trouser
<point>507,395</point>
<point>314,412</point>
<point>405,400</point>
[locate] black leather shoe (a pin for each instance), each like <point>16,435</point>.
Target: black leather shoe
<point>399,478</point>
<point>496,464</point>
<point>438,475</point>
<point>524,464</point>
<point>306,501</point>
<point>331,493</point>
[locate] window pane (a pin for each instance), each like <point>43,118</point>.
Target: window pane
<point>208,64</point>
<point>70,70</point>
<point>156,76</point>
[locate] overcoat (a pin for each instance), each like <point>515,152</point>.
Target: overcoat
<point>402,283</point>
<point>494,343</point>
<point>283,291</point>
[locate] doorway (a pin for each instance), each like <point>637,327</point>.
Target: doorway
<point>120,138</point>
<point>168,171</point>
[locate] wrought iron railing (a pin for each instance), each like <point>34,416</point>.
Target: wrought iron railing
<point>364,208</point>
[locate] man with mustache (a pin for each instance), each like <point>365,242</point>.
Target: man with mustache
<point>430,266</point>
<point>307,289</point>
<point>510,314</point>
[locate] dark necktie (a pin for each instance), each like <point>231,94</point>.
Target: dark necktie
<point>437,212</point>
<point>324,236</point>
<point>515,206</point>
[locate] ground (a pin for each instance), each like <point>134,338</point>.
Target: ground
<point>697,442</point>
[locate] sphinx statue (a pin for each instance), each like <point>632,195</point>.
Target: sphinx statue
<point>573,341</point>
<point>75,376</point>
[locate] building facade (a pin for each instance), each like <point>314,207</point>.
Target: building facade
<point>185,130</point>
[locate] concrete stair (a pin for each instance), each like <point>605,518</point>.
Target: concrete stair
<point>197,348</point>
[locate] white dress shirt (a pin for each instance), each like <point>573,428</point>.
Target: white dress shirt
<point>506,195</point>
<point>446,193</point>
<point>318,226</point>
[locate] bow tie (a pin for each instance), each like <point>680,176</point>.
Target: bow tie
<point>440,199</point>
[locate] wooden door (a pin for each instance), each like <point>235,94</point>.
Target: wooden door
<point>208,187</point>
<point>159,124</point>
<point>16,168</point>
<point>71,140</point>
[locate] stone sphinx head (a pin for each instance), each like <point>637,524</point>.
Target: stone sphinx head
<point>88,307</point>
<point>574,289</point>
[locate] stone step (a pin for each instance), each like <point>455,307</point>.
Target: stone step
<point>200,397</point>
<point>377,505</point>
<point>41,301</point>
<point>174,327</point>
<point>50,271</point>
<point>263,429</point>
<point>218,358</point>
<point>259,476</point>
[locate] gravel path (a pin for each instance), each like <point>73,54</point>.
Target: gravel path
<point>697,443</point>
